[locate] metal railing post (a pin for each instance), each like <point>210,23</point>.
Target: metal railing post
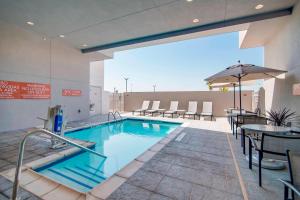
<point>21,154</point>
<point>117,112</point>
<point>111,113</point>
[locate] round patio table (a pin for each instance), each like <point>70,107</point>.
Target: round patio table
<point>259,128</point>
<point>234,115</point>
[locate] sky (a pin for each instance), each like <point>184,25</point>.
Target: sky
<point>179,66</point>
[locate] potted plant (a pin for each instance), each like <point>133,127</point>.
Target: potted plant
<point>281,117</point>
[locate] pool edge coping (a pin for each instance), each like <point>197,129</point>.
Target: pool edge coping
<point>121,176</point>
<point>29,167</point>
<point>113,182</point>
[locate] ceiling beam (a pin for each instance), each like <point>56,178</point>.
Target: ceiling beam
<point>200,28</point>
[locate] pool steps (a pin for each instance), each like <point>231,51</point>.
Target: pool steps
<point>84,176</point>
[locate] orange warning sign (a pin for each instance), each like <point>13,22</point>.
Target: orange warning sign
<point>70,92</point>
<point>24,90</point>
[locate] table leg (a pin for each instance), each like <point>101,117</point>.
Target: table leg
<point>243,141</point>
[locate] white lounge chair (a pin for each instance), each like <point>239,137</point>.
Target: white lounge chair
<point>154,109</point>
<point>173,109</point>
<point>192,109</point>
<point>207,109</point>
<point>143,109</point>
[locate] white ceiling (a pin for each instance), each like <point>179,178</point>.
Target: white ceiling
<point>98,22</point>
<point>259,33</point>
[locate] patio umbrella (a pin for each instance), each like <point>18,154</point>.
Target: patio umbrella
<point>243,72</point>
<point>221,85</point>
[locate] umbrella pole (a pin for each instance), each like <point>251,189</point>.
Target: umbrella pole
<point>240,88</point>
<point>234,95</point>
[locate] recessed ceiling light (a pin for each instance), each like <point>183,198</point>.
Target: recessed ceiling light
<point>195,20</point>
<point>30,23</point>
<point>61,36</point>
<point>84,45</point>
<point>189,0</point>
<point>259,6</point>
<point>44,38</point>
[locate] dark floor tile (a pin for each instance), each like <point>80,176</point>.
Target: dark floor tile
<point>145,179</point>
<point>130,192</point>
<point>157,166</point>
<point>174,188</point>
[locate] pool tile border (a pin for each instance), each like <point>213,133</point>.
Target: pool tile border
<point>105,189</point>
<point>55,190</point>
<point>51,186</point>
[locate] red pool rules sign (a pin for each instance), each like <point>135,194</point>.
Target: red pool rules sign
<point>24,90</point>
<point>70,92</point>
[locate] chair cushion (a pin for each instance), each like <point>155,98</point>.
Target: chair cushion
<point>190,113</point>
<point>170,112</point>
<point>204,113</point>
<point>150,111</point>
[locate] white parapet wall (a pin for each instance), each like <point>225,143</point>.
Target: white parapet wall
<point>220,100</point>
<point>26,56</point>
<point>280,39</point>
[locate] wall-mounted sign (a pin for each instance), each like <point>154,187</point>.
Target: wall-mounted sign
<point>24,90</point>
<point>70,92</point>
<point>296,89</point>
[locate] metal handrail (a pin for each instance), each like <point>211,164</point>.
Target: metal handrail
<point>111,113</point>
<point>21,154</point>
<point>117,112</point>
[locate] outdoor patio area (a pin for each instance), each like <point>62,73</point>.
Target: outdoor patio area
<point>204,161</point>
<point>149,100</point>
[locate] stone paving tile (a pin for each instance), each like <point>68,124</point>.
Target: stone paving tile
<point>202,149</point>
<point>130,192</point>
<point>190,175</point>
<point>157,166</point>
<point>159,197</point>
<point>174,188</point>
<point>145,179</point>
<point>164,157</point>
<point>6,190</point>
<point>226,184</point>
<point>210,167</point>
<point>201,193</point>
<point>4,184</point>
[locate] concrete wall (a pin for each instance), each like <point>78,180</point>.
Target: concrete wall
<point>26,57</point>
<point>221,100</point>
<point>96,86</point>
<point>282,52</point>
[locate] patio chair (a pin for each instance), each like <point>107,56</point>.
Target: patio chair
<point>293,186</point>
<point>207,109</point>
<point>145,106</point>
<point>173,109</point>
<point>231,118</point>
<point>192,109</point>
<point>272,147</point>
<point>154,109</point>
<point>237,121</point>
<point>249,119</point>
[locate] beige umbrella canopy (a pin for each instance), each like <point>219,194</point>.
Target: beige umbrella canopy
<point>243,72</point>
<point>233,85</point>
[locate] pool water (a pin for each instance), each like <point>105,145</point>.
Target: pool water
<point>121,142</point>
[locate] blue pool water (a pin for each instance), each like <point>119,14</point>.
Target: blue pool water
<point>120,141</point>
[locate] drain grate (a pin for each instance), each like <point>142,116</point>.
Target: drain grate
<point>180,137</point>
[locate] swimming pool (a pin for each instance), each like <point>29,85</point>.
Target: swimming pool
<point>121,142</point>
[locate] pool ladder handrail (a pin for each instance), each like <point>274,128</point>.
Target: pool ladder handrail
<point>117,112</point>
<point>111,113</point>
<point>21,154</point>
<point>114,115</point>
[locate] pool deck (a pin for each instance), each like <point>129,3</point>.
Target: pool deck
<point>204,161</point>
